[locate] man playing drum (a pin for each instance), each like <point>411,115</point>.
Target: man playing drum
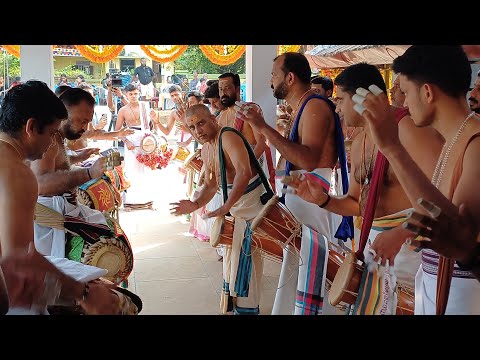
<point>229,92</point>
<point>29,122</point>
<point>57,183</point>
<point>435,80</point>
<point>311,147</point>
<point>393,205</point>
<point>243,203</point>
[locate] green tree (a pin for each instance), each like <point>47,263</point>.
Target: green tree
<point>71,72</point>
<point>9,65</point>
<point>194,59</point>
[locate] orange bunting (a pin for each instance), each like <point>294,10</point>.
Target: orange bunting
<point>100,53</point>
<point>13,49</point>
<point>164,53</point>
<point>223,54</point>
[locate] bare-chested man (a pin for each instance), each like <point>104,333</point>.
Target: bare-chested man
<point>57,187</point>
<point>435,80</point>
<point>229,91</point>
<point>134,115</point>
<point>310,148</point>
<point>393,205</point>
<point>245,189</point>
<point>96,132</point>
<point>29,122</point>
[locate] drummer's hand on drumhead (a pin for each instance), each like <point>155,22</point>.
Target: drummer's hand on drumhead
<point>221,211</point>
<point>305,186</point>
<point>183,207</point>
<point>98,167</point>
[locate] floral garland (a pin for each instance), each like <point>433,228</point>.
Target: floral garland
<point>13,49</point>
<point>223,54</point>
<point>163,53</point>
<point>157,159</point>
<point>287,48</point>
<point>100,53</point>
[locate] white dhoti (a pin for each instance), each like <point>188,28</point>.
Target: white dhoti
<point>315,218</point>
<point>464,296</point>
<point>140,176</point>
<point>147,90</point>
<point>245,209</point>
<point>407,260</point>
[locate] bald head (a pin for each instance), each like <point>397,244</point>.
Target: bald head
<point>201,123</point>
<point>198,109</point>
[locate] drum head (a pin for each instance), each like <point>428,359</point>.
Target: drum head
<point>264,212</point>
<point>149,144</point>
<point>112,255</point>
<point>342,279</point>
<point>216,232</point>
<point>190,157</point>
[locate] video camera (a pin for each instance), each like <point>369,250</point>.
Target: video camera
<point>116,80</point>
<point>115,77</point>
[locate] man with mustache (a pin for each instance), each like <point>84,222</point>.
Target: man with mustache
<point>29,128</point>
<point>311,146</point>
<point>474,99</point>
<point>229,91</point>
<point>57,189</point>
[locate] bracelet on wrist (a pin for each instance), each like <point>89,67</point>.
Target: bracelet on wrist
<point>88,173</point>
<point>325,203</point>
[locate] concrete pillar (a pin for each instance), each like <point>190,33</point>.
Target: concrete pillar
<point>259,61</point>
<point>36,63</point>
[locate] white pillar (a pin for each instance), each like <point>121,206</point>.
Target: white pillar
<point>36,63</point>
<point>259,61</point>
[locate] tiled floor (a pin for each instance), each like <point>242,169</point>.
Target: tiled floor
<point>175,273</point>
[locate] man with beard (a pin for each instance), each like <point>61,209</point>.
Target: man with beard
<point>311,147</point>
<point>474,98</point>
<point>229,91</point>
<point>242,267</point>
<point>29,128</point>
<point>57,190</point>
<point>386,237</point>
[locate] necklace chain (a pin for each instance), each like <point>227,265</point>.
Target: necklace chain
<point>13,146</point>
<point>294,115</point>
<point>445,154</point>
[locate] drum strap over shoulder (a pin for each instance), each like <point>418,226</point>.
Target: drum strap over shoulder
<point>269,192</point>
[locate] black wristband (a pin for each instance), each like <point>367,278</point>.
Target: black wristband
<point>88,172</point>
<point>325,203</point>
